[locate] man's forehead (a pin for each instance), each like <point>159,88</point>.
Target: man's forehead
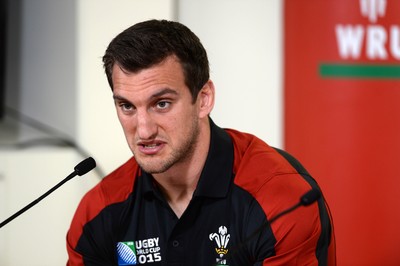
<point>171,59</point>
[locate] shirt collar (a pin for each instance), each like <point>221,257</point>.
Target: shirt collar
<point>217,175</point>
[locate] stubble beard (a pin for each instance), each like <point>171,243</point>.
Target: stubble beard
<point>179,155</point>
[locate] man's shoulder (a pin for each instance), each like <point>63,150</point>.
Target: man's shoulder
<point>251,152</point>
<point>256,163</point>
<point>117,185</point>
<point>242,141</point>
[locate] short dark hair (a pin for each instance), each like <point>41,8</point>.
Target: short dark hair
<point>148,43</point>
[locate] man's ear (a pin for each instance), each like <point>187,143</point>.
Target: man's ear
<point>206,99</point>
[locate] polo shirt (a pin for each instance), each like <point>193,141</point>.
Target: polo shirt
<point>125,219</point>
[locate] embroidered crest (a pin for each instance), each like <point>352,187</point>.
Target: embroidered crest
<point>221,239</point>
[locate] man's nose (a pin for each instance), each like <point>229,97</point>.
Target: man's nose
<point>146,126</point>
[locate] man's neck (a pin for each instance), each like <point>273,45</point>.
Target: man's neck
<point>178,196</point>
<point>180,181</point>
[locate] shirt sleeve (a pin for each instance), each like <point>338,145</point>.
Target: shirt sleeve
<point>79,236</point>
<point>304,236</point>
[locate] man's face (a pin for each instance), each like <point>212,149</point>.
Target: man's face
<point>155,109</point>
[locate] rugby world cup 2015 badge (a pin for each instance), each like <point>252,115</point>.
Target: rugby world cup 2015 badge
<point>139,252</point>
<point>126,253</point>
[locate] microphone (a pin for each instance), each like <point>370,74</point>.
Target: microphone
<point>80,169</point>
<point>307,199</point>
<point>85,166</point>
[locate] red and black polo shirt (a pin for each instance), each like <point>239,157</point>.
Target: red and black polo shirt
<point>125,220</point>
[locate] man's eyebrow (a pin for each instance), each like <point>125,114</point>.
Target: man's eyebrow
<point>163,92</point>
<point>154,96</point>
<point>119,98</point>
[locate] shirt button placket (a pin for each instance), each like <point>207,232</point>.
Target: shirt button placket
<point>176,252</point>
<point>175,243</point>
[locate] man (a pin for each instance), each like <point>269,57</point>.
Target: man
<point>193,194</point>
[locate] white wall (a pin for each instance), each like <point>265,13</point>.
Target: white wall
<point>243,41</point>
<point>60,82</point>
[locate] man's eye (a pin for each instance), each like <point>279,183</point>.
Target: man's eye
<point>163,104</point>
<point>126,106</point>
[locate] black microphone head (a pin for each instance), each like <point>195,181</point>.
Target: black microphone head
<point>85,166</point>
<point>310,197</point>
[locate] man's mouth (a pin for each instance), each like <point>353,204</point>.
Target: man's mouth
<point>151,148</point>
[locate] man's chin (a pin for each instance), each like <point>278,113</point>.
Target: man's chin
<point>152,168</point>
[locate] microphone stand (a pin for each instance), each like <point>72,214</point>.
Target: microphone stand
<point>33,203</point>
<point>80,169</point>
